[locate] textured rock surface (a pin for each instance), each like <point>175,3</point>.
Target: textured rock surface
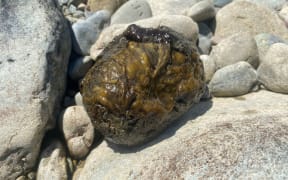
<point>248,17</point>
<point>272,4</point>
<point>273,71</point>
<point>239,138</point>
<point>235,48</point>
<point>53,162</point>
<point>111,6</point>
<point>131,11</point>
<point>142,82</point>
<point>33,63</point>
<point>181,24</point>
<point>233,80</point>
<point>78,131</point>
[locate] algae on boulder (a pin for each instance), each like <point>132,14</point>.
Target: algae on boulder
<point>144,80</point>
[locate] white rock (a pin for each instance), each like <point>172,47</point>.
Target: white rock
<point>201,11</point>
<point>233,80</point>
<point>235,48</point>
<point>229,138</point>
<point>284,14</point>
<point>273,71</point>
<point>272,4</point>
<point>209,67</point>
<point>78,99</point>
<point>78,131</point>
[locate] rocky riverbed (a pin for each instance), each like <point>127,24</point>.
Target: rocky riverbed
<point>49,46</point>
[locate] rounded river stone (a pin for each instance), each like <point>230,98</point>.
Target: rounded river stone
<point>143,80</point>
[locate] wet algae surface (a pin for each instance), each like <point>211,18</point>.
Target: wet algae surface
<point>143,81</point>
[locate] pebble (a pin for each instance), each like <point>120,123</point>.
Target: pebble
<point>264,41</point>
<point>238,47</point>
<point>221,3</point>
<point>109,5</point>
<point>233,80</point>
<point>201,11</point>
<point>53,162</point>
<point>131,11</point>
<point>78,99</point>
<point>86,32</point>
<point>79,66</point>
<point>273,71</point>
<point>209,67</point>
<point>78,131</point>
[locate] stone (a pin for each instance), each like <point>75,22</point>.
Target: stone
<point>141,83</point>
<point>170,7</point>
<point>235,48</point>
<point>179,23</point>
<point>273,71</point>
<point>233,80</point>
<point>209,67</point>
<point>53,162</point>
<point>264,41</point>
<point>248,17</point>
<point>284,14</point>
<point>111,6</point>
<point>79,66</point>
<point>33,64</point>
<point>76,2</point>
<point>131,11</point>
<point>63,2</point>
<point>204,44</point>
<point>78,99</point>
<point>238,138</point>
<point>221,3</point>
<point>201,11</point>
<point>78,131</point>
<point>272,4</point>
<point>86,32</point>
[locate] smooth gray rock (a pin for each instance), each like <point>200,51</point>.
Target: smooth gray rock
<point>235,48</point>
<point>79,66</point>
<point>273,71</point>
<point>209,67</point>
<point>228,138</point>
<point>233,80</point>
<point>221,3</point>
<point>78,131</point>
<point>264,41</point>
<point>272,4</point>
<point>86,32</point>
<point>201,11</point>
<point>131,11</point>
<point>53,162</point>
<point>34,55</point>
<point>242,16</point>
<point>204,44</point>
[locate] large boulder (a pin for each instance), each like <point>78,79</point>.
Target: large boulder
<point>238,138</point>
<point>35,46</point>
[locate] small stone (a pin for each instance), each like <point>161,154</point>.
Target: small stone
<point>131,11</point>
<point>75,2</point>
<point>72,9</point>
<point>209,67</point>
<point>78,131</point>
<point>108,5</point>
<point>273,71</point>
<point>78,99</point>
<point>86,32</point>
<point>238,47</point>
<point>201,11</point>
<point>204,44</point>
<point>53,162</point>
<point>264,41</point>
<point>63,2</point>
<point>79,66</point>
<point>221,3</point>
<point>233,80</point>
<point>81,7</point>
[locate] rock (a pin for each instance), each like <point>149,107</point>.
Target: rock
<point>272,4</point>
<point>78,131</point>
<point>248,17</point>
<point>201,11</point>
<point>235,48</point>
<point>284,14</point>
<point>111,6</point>
<point>273,71</point>
<point>131,11</point>
<point>233,80</point>
<point>209,67</point>
<point>244,137</point>
<point>264,41</point>
<point>204,44</point>
<point>181,24</point>
<point>79,66</point>
<point>76,2</point>
<point>63,2</point>
<point>221,3</point>
<point>53,162</point>
<point>78,99</point>
<point>86,32</point>
<point>170,7</point>
<point>33,64</point>
<point>142,82</point>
